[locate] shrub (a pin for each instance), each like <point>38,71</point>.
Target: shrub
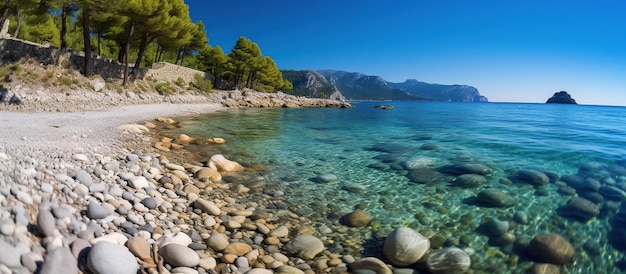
<point>164,88</point>
<point>180,82</point>
<point>201,83</point>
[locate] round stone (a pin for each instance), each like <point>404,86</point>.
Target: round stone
<point>305,246</point>
<point>450,260</point>
<point>149,202</point>
<point>404,246</point>
<point>108,258</point>
<point>96,211</point>
<point>45,222</point>
<point>179,255</point>
<point>60,260</point>
<point>357,218</point>
<point>551,248</point>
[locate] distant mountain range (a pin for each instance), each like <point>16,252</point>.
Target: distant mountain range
<point>341,85</point>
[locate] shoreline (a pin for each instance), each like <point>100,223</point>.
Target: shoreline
<point>79,180</point>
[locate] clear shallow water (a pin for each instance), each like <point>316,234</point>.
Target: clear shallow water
<point>367,149</point>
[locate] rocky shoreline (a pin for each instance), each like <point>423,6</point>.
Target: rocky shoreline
<point>136,201</point>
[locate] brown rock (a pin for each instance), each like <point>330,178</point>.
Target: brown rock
<point>184,138</point>
<point>166,120</point>
<point>217,141</point>
<point>550,248</point>
<point>357,218</point>
<point>207,173</point>
<point>229,258</point>
<point>238,249</point>
<point>371,264</point>
<point>540,268</point>
<point>139,247</point>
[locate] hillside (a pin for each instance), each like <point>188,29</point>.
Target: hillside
<point>358,86</point>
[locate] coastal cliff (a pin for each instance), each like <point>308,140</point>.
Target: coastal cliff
<point>358,86</point>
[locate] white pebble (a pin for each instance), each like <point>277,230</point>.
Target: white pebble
<point>46,188</point>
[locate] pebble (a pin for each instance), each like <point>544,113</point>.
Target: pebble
<point>80,157</point>
<point>109,258</point>
<point>149,202</point>
<point>9,255</point>
<point>138,182</point>
<point>84,178</point>
<point>46,188</point>
<point>179,255</point>
<point>96,211</point>
<point>45,222</point>
<point>7,227</point>
<point>59,260</point>
<point>305,246</point>
<point>207,206</point>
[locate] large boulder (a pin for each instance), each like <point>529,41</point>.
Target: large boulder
<point>450,260</point>
<point>404,246</point>
<point>561,97</point>
<point>550,248</point>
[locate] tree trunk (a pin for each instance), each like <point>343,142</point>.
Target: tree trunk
<point>156,54</point>
<point>182,58</point>
<point>87,41</point>
<point>20,18</point>
<point>99,53</point>
<point>177,56</point>
<point>64,10</point>
<point>131,29</point>
<point>5,13</point>
<point>142,51</point>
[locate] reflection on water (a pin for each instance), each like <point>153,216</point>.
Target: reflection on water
<point>396,165</point>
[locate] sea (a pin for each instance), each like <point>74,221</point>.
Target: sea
<point>324,163</point>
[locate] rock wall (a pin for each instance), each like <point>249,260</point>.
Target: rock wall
<point>12,50</point>
<point>170,72</point>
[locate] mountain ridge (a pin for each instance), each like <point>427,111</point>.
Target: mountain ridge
<point>345,85</point>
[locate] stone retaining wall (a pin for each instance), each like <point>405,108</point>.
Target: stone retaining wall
<point>12,50</point>
<point>170,72</point>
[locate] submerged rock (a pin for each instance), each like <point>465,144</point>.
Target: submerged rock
<point>459,169</point>
<point>404,246</point>
<point>450,260</point>
<point>470,180</point>
<point>550,248</point>
<point>495,197</point>
<point>533,177</point>
<point>582,208</point>
<point>426,176</point>
<point>357,218</point>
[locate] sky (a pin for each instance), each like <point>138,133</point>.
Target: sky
<point>511,51</point>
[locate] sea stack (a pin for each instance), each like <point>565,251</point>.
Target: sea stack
<point>561,97</point>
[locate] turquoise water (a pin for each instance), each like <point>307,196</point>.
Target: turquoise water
<point>368,150</point>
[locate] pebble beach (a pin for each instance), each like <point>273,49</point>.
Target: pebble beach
<point>112,190</point>
<point>91,192</point>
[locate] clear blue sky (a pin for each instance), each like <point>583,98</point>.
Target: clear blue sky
<point>512,51</point>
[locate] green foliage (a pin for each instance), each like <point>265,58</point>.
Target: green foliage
<point>164,88</point>
<point>180,82</point>
<point>202,83</point>
<point>8,70</point>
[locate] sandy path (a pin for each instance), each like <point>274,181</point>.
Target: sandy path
<point>77,131</point>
